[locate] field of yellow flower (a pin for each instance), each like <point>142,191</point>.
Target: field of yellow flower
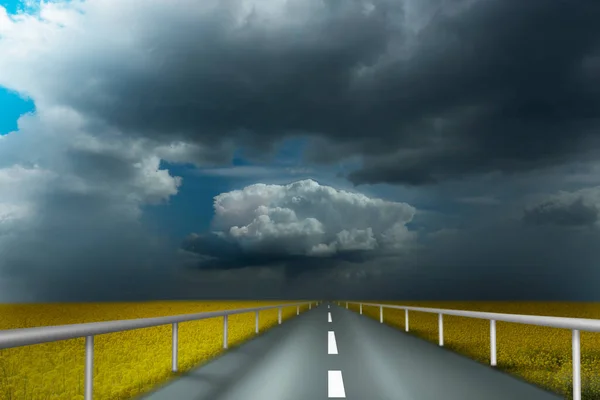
<point>125,363</point>
<point>536,354</point>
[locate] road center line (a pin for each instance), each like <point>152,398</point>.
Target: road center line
<point>335,385</point>
<point>331,344</point>
<point>328,317</point>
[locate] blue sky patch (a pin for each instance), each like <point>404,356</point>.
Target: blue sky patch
<point>15,6</point>
<point>12,106</point>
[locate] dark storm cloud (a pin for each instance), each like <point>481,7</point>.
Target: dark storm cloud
<point>424,90</point>
<point>504,87</point>
<point>216,252</point>
<point>255,78</point>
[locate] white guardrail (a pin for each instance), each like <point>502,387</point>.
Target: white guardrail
<point>29,336</point>
<point>574,324</point>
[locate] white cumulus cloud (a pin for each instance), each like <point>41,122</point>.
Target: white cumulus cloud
<point>305,218</point>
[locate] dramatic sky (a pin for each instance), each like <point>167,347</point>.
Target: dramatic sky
<point>409,149</point>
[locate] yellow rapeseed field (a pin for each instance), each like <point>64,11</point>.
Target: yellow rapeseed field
<point>536,354</point>
<point>125,363</point>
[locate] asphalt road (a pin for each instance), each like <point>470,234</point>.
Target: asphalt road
<point>336,353</point>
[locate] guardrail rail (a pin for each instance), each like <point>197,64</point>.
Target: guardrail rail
<point>574,324</point>
<point>29,336</point>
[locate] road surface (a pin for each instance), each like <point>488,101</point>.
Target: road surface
<point>330,352</point>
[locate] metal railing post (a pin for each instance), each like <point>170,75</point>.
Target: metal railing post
<point>441,326</point>
<point>493,343</point>
<point>346,305</point>
<point>256,323</point>
<point>89,367</point>
<point>297,310</point>
<point>360,308</point>
<point>381,314</point>
<point>279,316</point>
<point>224,331</point>
<point>576,365</point>
<point>174,346</point>
<point>406,319</point>
<point>309,305</point>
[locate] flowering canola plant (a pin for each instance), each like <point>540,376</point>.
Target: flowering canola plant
<point>127,363</point>
<point>539,355</point>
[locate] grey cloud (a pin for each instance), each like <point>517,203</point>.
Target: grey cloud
<point>568,209</point>
<point>575,213</point>
<point>425,91</point>
<point>70,207</point>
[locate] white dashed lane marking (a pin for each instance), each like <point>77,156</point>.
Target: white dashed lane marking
<point>331,344</point>
<point>335,385</point>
